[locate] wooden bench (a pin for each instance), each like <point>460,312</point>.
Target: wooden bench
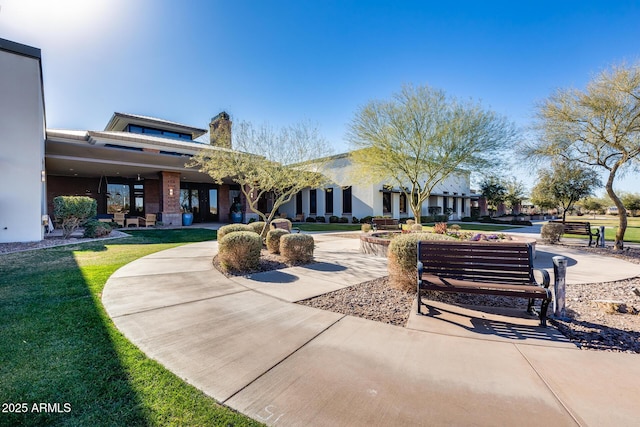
<point>385,223</point>
<point>579,228</point>
<point>504,269</point>
<point>284,226</point>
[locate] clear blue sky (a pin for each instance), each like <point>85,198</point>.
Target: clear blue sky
<point>284,61</point>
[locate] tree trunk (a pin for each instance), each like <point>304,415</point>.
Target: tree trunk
<point>622,211</point>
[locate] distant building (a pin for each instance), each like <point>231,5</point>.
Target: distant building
<point>344,198</point>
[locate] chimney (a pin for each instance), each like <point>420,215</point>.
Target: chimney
<point>220,131</point>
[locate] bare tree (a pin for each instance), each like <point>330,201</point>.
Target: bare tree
<point>598,127</point>
<point>267,161</point>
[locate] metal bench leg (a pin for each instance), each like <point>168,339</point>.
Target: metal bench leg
<point>543,312</point>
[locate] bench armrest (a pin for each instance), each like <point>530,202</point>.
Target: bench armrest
<point>546,279</point>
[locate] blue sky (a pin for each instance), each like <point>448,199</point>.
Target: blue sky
<point>284,61</point>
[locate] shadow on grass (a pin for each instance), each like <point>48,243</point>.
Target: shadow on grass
<point>60,348</point>
<point>55,348</point>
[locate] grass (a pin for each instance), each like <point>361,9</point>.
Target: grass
<point>311,226</point>
<point>60,346</point>
<point>631,235</point>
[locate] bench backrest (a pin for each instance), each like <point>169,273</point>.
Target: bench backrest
<point>280,224</point>
<point>571,227</point>
<point>508,263</point>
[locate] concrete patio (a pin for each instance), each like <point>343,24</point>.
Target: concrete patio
<point>243,342</point>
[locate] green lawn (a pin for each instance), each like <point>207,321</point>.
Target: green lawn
<point>59,346</point>
<point>311,226</point>
<point>632,234</point>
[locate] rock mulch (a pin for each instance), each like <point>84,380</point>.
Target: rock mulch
<point>591,326</point>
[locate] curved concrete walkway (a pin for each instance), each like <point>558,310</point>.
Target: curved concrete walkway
<point>243,342</point>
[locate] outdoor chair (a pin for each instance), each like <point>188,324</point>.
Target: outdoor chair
<point>149,220</point>
<point>118,218</point>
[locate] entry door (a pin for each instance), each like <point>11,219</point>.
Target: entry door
<point>208,205</point>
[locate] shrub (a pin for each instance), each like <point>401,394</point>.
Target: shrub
<point>416,228</point>
<point>226,229</point>
<point>239,251</point>
<point>410,222</point>
<point>365,228</point>
<point>343,220</point>
<point>366,220</point>
<point>273,240</point>
<point>321,219</point>
<point>259,227</point>
<point>95,228</point>
<point>440,228</point>
<point>403,257</point>
<point>441,218</point>
<point>333,219</point>
<point>296,248</point>
<point>467,219</point>
<point>354,220</point>
<point>310,219</point>
<point>281,221</point>
<point>454,227</point>
<point>73,211</point>
<point>551,232</point>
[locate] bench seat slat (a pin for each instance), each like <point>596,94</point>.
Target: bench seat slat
<point>435,283</point>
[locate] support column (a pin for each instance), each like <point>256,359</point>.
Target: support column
<point>170,198</point>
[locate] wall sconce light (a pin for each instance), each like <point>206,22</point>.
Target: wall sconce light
<point>43,175</point>
<point>170,191</point>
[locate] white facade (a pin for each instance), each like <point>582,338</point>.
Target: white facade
<point>369,199</point>
<point>22,136</point>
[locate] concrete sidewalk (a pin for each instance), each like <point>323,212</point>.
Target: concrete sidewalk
<point>243,342</point>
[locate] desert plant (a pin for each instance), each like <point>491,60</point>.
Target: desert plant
<point>73,211</point>
<point>259,227</point>
<point>333,219</point>
<point>296,248</point>
<point>310,219</point>
<point>365,228</point>
<point>321,219</point>
<point>95,228</point>
<point>551,232</point>
<point>366,220</point>
<point>403,256</point>
<point>226,229</point>
<point>440,228</point>
<point>454,227</point>
<point>240,251</point>
<point>281,221</point>
<point>410,222</point>
<point>416,228</point>
<point>273,240</point>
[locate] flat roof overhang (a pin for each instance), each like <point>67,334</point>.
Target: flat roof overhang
<point>92,161</point>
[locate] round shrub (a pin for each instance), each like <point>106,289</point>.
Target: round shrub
<point>321,219</point>
<point>551,232</point>
<point>365,228</point>
<point>410,222</point>
<point>259,227</point>
<point>454,227</point>
<point>403,257</point>
<point>273,240</point>
<point>281,221</point>
<point>226,229</point>
<point>416,228</point>
<point>354,220</point>
<point>296,248</point>
<point>310,219</point>
<point>366,220</point>
<point>239,251</point>
<point>95,228</point>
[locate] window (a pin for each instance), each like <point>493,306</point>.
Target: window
<point>118,198</point>
<point>403,203</point>
<point>346,200</point>
<point>386,203</point>
<point>313,202</point>
<point>299,203</point>
<point>158,132</point>
<point>328,199</point>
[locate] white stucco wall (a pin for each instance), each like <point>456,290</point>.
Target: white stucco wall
<point>367,197</point>
<point>22,135</point>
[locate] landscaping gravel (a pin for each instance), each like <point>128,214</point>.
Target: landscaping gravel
<point>591,326</point>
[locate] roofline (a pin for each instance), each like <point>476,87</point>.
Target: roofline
<point>196,132</point>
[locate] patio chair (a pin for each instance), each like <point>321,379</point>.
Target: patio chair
<point>149,220</point>
<point>118,218</point>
